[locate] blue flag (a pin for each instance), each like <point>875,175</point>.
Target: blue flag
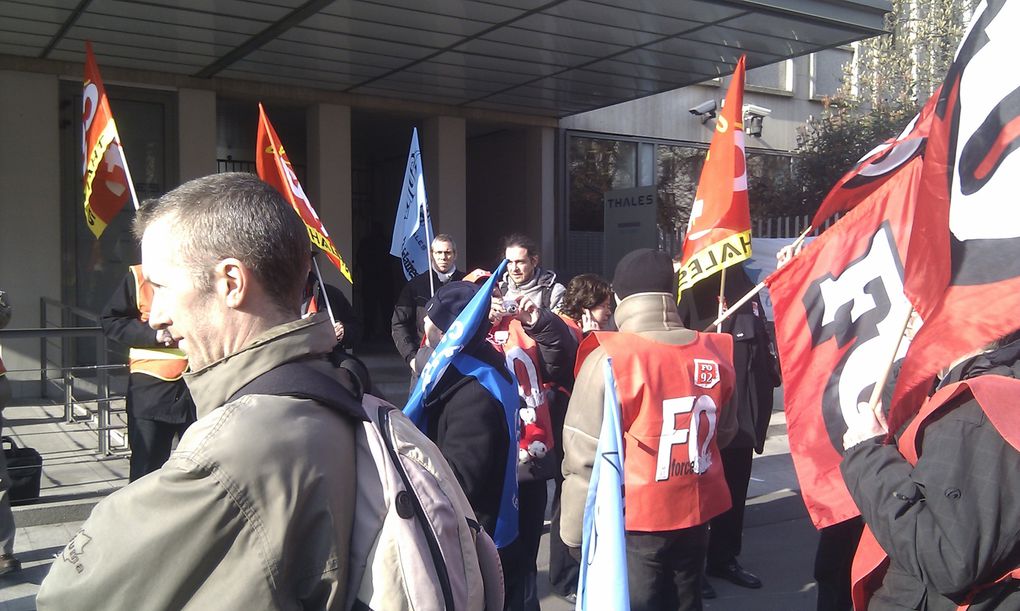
<point>412,229</point>
<point>603,580</point>
<point>448,353</point>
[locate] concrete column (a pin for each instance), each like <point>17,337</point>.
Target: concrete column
<point>329,183</point>
<point>196,133</point>
<point>30,243</point>
<point>540,190</point>
<point>444,161</point>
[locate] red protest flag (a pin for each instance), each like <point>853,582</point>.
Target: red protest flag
<point>105,174</point>
<point>836,307</point>
<point>719,230</point>
<point>969,183</point>
<point>877,166</point>
<point>274,168</point>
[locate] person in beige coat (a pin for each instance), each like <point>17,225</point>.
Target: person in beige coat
<point>254,508</point>
<point>643,285</point>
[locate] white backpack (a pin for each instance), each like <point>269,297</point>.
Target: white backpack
<point>416,544</point>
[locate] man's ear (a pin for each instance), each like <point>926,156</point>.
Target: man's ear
<point>233,282</point>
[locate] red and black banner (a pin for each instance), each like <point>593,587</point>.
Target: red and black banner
<point>969,181</point>
<point>839,309</point>
<point>877,166</point>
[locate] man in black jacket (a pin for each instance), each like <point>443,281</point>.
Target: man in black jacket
<point>949,521</point>
<point>407,324</point>
<point>757,375</point>
<point>159,405</point>
<point>345,322</point>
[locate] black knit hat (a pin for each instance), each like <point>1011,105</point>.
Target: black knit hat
<point>644,271</point>
<point>448,302</point>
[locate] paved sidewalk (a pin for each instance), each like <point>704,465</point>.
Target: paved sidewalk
<point>779,541</point>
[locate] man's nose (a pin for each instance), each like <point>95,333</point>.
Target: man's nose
<point>158,316</point>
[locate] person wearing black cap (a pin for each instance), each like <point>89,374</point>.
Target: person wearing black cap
<point>465,420</point>
<point>757,375</point>
<point>672,385</point>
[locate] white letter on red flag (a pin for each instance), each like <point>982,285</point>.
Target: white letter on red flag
<point>105,172</point>
<point>719,230</point>
<point>274,168</point>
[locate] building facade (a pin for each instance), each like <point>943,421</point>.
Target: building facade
<point>527,113</point>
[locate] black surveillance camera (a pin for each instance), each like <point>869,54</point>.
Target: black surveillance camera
<point>705,108</point>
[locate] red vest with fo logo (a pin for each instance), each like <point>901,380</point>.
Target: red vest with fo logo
<point>997,397</point>
<point>522,358</point>
<point>670,398</point>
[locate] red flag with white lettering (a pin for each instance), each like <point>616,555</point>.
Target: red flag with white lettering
<point>719,230</point>
<point>969,182</point>
<point>274,168</point>
<point>105,174</point>
<point>838,309</point>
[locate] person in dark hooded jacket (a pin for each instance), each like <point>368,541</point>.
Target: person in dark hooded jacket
<point>757,375</point>
<point>465,420</point>
<point>949,522</point>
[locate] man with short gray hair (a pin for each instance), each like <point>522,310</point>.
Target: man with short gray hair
<point>254,508</point>
<point>408,323</point>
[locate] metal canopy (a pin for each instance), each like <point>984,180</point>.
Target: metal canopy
<point>540,57</point>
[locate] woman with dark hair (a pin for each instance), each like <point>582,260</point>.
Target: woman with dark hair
<point>586,306</point>
<point>587,303</point>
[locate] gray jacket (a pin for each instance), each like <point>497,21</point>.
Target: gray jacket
<point>653,316</point>
<point>252,511</point>
<point>541,289</point>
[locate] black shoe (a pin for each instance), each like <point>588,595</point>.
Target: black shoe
<point>9,564</point>
<point>734,573</point>
<point>707,591</point>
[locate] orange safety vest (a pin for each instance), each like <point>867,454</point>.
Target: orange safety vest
<point>996,396</point>
<point>164,363</point>
<point>670,398</point>
<point>521,354</point>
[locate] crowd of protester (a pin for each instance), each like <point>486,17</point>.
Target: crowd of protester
<point>256,502</point>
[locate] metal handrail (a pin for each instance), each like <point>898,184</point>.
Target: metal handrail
<point>66,374</point>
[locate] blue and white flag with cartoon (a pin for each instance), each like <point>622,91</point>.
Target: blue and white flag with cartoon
<point>448,353</point>
<point>603,580</point>
<point>412,229</point>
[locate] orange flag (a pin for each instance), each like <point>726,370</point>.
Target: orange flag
<point>274,168</point>
<point>719,231</point>
<point>104,168</point>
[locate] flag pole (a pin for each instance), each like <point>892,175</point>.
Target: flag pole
<point>722,301</point>
<point>322,286</point>
<point>754,291</point>
<point>876,392</point>
<point>424,210</point>
<point>127,175</point>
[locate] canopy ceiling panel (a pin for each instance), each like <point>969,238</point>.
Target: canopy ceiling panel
<point>546,57</point>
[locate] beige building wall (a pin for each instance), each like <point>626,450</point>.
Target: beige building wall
<point>196,129</point>
<point>540,185</point>
<point>30,245</point>
<point>667,115</point>
<point>443,142</point>
<point>329,183</point>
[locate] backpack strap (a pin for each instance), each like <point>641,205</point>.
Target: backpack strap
<point>297,379</point>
